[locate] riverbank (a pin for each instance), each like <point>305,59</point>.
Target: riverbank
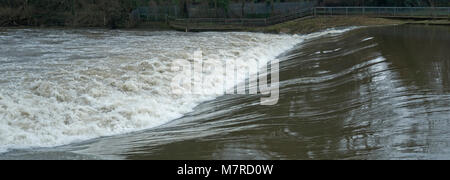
<point>305,26</point>
<point>431,22</point>
<point>310,24</point>
<point>299,26</point>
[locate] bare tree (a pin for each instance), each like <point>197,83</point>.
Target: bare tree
<point>272,6</point>
<point>243,8</point>
<point>215,8</point>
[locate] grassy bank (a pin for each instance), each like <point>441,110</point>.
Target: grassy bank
<point>321,23</point>
<point>431,22</point>
<point>310,25</point>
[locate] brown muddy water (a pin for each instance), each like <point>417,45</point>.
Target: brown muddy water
<point>367,93</point>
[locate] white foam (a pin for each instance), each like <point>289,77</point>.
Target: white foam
<point>100,84</point>
<point>367,39</point>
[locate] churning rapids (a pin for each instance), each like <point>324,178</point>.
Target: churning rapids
<point>366,93</point>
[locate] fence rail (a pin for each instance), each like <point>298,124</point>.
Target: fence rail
<point>193,23</point>
<point>412,12</point>
<point>401,12</point>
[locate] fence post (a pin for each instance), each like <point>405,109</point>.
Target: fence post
<point>433,11</point>
<point>175,11</point>
<point>187,25</point>
<point>315,12</point>
<point>167,19</point>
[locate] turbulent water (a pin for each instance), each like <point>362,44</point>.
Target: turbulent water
<point>369,93</point>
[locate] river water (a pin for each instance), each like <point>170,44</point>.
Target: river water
<point>353,93</point>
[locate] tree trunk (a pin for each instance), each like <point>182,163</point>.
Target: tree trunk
<point>188,5</point>
<point>243,9</point>
<point>72,8</point>
<point>215,8</point>
<point>72,11</point>
<point>272,6</point>
<point>431,3</point>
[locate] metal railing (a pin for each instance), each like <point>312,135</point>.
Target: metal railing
<point>412,12</point>
<point>401,12</point>
<point>290,16</point>
<point>193,22</point>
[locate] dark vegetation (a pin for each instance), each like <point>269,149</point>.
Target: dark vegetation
<point>87,13</point>
<point>118,13</point>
